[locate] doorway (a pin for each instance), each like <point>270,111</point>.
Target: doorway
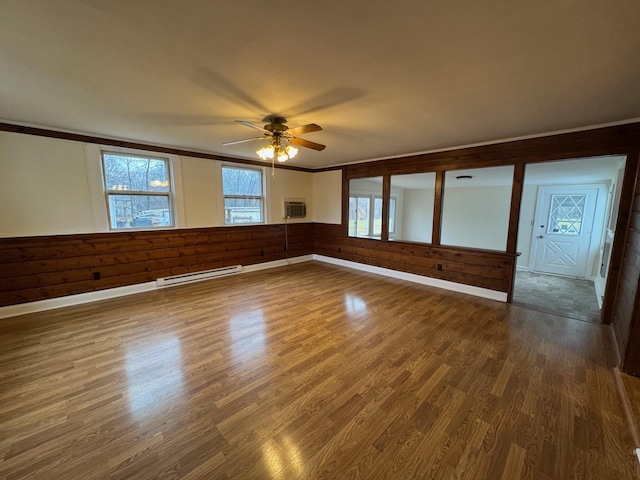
<point>567,216</point>
<point>563,229</point>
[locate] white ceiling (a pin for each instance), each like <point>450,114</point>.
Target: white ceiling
<point>383,78</point>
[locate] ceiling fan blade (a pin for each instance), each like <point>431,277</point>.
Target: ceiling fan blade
<point>246,140</point>
<point>312,127</point>
<point>306,143</point>
<point>252,125</point>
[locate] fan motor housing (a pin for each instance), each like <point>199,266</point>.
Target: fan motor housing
<point>276,124</point>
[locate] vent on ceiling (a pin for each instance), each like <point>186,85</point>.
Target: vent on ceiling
<point>295,208</point>
<point>197,276</point>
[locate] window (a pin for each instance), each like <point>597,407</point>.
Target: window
<point>359,216</point>
<point>377,216</point>
<point>138,191</point>
<point>566,214</point>
<point>392,214</point>
<point>365,208</point>
<point>243,198</point>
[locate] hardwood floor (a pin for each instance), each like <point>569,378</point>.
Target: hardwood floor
<point>307,371</point>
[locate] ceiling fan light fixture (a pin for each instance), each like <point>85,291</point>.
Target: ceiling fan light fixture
<point>266,153</point>
<point>291,151</point>
<point>282,156</point>
<point>280,134</point>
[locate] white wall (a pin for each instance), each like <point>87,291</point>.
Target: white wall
<point>327,196</point>
<point>418,215</point>
<point>476,217</point>
<point>51,186</point>
<point>289,184</point>
<point>367,186</point>
<point>202,203</point>
<point>43,187</point>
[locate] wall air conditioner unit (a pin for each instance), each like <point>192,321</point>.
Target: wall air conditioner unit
<point>295,208</point>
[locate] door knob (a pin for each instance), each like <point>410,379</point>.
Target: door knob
<point>540,236</point>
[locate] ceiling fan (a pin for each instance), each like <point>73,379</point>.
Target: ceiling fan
<point>278,132</point>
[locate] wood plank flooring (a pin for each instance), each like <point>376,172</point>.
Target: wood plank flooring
<point>307,371</point>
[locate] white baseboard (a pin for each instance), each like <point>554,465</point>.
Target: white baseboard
<point>276,263</point>
<point>80,298</point>
<point>521,268</point>
<point>411,277</point>
<point>52,303</point>
<point>599,283</point>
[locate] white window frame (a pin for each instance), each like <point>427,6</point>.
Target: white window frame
<point>370,222</point>
<point>262,198</point>
<point>372,205</point>
<point>110,191</point>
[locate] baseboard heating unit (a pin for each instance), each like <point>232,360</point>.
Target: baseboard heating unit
<point>198,276</point>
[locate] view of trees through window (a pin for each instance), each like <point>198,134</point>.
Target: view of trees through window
<point>243,198</point>
<point>138,191</point>
<point>359,216</point>
<point>365,207</point>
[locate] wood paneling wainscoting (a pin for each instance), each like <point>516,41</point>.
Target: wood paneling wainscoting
<point>479,268</point>
<point>38,268</point>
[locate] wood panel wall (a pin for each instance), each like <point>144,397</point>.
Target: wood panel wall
<point>38,268</point>
<point>626,310</point>
<point>480,268</point>
<point>616,140</point>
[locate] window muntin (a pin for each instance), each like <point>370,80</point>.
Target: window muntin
<point>242,189</point>
<point>566,214</point>
<point>138,191</point>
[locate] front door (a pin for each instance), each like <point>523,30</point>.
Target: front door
<point>562,232</point>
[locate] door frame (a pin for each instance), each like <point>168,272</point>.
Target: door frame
<point>597,230</point>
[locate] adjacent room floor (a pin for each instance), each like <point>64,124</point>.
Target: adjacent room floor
<point>568,297</point>
<point>305,372</point>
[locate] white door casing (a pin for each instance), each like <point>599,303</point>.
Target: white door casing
<point>562,230</point>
